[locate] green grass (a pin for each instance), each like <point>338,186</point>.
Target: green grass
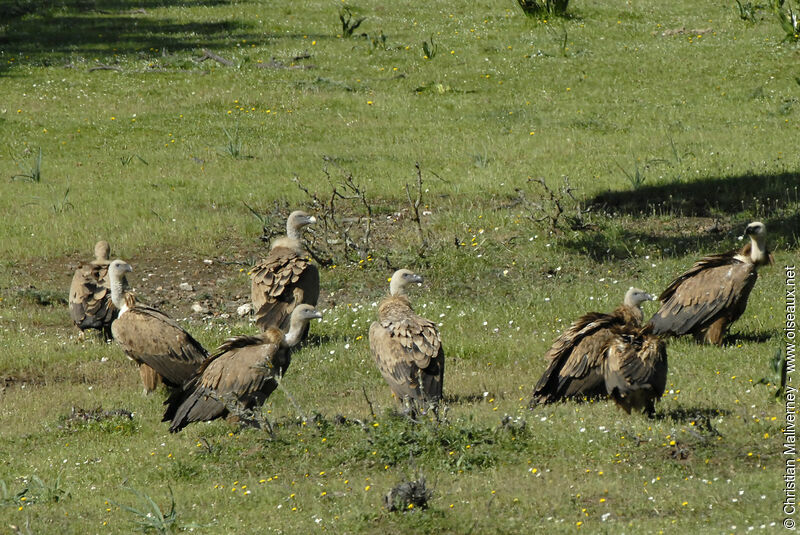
<point>163,156</point>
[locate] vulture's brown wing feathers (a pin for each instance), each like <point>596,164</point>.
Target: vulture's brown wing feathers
<point>281,282</point>
<point>575,358</point>
<point>716,286</point>
<point>151,337</point>
<point>635,370</point>
<point>242,371</point>
<point>90,305</point>
<point>408,351</point>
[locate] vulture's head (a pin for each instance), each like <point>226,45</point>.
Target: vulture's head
<point>297,220</point>
<point>755,229</point>
<point>305,313</point>
<point>401,279</point>
<point>634,297</point>
<point>301,315</point>
<point>117,270</point>
<point>101,250</point>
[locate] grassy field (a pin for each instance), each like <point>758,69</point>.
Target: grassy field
<point>659,131</point>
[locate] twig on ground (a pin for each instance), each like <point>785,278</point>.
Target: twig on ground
<point>207,54</point>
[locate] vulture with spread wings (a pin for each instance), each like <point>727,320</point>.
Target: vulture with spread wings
<point>607,355</point>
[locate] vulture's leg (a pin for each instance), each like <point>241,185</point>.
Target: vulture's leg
<point>150,378</point>
<point>716,331</point>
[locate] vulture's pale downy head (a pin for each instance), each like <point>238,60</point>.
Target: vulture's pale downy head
<point>296,221</point>
<point>305,313</point>
<point>116,274</point>
<point>401,279</point>
<point>301,315</point>
<point>117,270</point>
<point>758,253</point>
<point>755,229</point>
<point>101,250</point>
<point>634,297</point>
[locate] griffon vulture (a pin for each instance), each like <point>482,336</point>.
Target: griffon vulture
<point>406,347</point>
<point>285,278</point>
<point>241,371</point>
<point>607,354</point>
<point>151,338</point>
<point>713,293</point>
<point>90,303</point>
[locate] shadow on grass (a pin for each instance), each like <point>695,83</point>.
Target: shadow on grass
<point>463,398</point>
<point>51,32</point>
<point>758,338</point>
<point>702,416</point>
<point>734,201</point>
<point>707,197</point>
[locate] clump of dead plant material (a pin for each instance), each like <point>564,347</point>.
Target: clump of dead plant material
<point>408,495</point>
<point>344,218</point>
<point>558,207</point>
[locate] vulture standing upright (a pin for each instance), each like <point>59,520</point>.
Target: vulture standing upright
<point>607,355</point>
<point>90,303</point>
<point>241,371</point>
<point>406,347</point>
<point>285,278</point>
<point>162,348</point>
<point>713,293</point>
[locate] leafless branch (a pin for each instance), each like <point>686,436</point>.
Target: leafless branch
<point>415,204</point>
<point>207,54</point>
<point>371,408</point>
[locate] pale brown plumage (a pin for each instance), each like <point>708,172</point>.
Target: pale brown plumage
<point>242,371</point>
<point>150,337</point>
<point>705,300</point>
<point>90,305</point>
<point>407,348</point>
<point>606,354</point>
<point>285,278</point>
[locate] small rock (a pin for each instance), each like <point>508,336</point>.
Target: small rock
<point>200,309</point>
<point>185,286</point>
<point>208,262</point>
<point>245,309</point>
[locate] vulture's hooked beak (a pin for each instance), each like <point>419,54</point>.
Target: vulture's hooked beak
<point>754,229</point>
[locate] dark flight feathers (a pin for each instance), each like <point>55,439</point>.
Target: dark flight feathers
<point>605,355</point>
<point>707,298</point>
<point>148,336</point>
<point>241,371</point>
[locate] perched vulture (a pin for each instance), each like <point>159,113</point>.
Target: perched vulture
<point>90,303</point>
<point>241,371</point>
<point>151,338</point>
<point>713,293</point>
<point>406,347</point>
<point>285,278</point>
<point>607,355</point>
